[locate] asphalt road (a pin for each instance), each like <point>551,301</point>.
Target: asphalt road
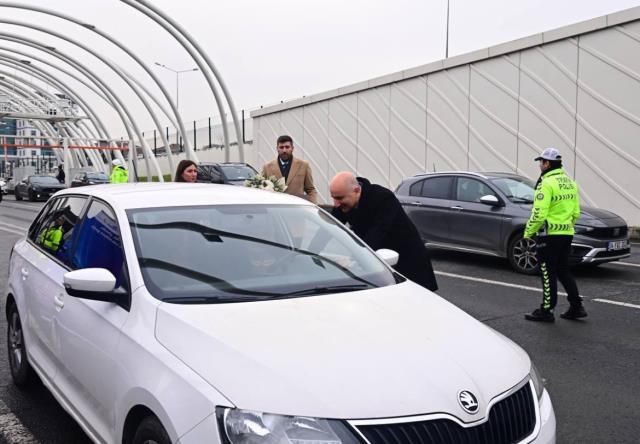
<point>591,367</point>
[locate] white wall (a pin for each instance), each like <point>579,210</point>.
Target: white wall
<point>576,88</point>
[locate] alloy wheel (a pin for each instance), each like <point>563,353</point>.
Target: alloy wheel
<point>524,255</point>
<point>16,343</point>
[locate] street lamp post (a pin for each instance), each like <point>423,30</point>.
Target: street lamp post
<point>446,48</point>
<point>177,73</point>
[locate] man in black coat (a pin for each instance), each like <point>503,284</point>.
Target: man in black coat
<point>376,216</point>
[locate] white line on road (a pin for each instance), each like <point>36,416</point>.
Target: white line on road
<point>489,281</point>
<point>14,229</point>
<point>8,230</point>
<point>17,227</point>
<point>626,264</point>
<point>623,304</point>
<point>11,429</point>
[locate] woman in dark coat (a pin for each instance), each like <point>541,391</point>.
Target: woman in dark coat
<point>377,217</point>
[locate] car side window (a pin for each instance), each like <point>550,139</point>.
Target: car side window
<point>98,243</point>
<point>416,189</point>
<point>437,187</point>
<point>43,218</point>
<point>471,190</point>
<point>55,235</point>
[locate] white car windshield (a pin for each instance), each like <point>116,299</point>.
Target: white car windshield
<point>235,253</point>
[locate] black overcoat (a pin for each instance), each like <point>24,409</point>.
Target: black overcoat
<point>380,221</point>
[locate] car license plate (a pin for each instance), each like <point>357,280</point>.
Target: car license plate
<point>618,245</point>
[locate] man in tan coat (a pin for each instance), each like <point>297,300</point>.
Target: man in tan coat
<point>296,172</point>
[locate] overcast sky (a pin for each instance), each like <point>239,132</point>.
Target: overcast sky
<point>273,50</point>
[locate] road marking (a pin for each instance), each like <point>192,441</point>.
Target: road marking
<point>489,281</point>
<point>623,304</point>
<point>626,264</point>
<point>13,431</point>
<point>17,227</point>
<point>13,229</point>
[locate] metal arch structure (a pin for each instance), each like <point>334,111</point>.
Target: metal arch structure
<point>37,72</point>
<point>49,129</point>
<point>73,127</point>
<point>177,123</point>
<point>195,50</point>
<point>113,98</point>
<point>118,71</point>
<point>183,38</point>
<point>189,44</point>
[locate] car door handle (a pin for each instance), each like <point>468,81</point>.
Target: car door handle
<point>417,204</point>
<point>58,301</point>
<point>456,207</point>
<point>25,272</point>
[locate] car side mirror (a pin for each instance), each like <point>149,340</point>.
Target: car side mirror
<point>389,256</point>
<point>490,199</point>
<point>96,284</point>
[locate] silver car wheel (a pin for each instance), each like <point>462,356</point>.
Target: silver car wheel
<point>16,348</point>
<point>524,254</point>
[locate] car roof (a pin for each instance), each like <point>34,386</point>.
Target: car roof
<point>482,174</point>
<point>446,173</point>
<point>169,194</point>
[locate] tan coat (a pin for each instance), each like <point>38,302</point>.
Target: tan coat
<point>299,181</point>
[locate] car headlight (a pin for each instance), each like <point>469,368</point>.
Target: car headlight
<point>537,379</point>
<point>583,229</point>
<point>249,427</point>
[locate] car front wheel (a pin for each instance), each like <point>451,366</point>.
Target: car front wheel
<point>522,255</point>
<point>21,371</point>
<point>150,431</point>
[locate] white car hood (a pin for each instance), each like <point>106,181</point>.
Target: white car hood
<point>380,353</point>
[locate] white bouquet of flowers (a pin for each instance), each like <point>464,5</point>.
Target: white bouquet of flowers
<point>266,183</point>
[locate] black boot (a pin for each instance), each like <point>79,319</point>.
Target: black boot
<point>574,312</point>
<point>540,315</point>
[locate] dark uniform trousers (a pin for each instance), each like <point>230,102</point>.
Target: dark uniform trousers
<point>553,253</point>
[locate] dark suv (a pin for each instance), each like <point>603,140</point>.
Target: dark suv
<point>229,173</point>
<point>85,178</point>
<point>486,213</point>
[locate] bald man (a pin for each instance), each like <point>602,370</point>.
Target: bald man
<point>376,216</point>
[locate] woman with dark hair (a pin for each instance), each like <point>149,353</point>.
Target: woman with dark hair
<point>187,171</point>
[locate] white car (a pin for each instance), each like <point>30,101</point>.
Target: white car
<point>3,187</point>
<point>198,313</point>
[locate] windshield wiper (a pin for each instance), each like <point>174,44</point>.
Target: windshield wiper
<point>324,290</point>
<point>519,199</point>
<point>196,299</point>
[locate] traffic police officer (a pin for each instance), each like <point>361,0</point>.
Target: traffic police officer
<point>51,237</point>
<point>555,211</point>
<point>119,174</point>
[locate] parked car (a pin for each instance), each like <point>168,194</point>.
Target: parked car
<point>3,186</point>
<point>37,187</point>
<point>89,178</point>
<point>232,173</point>
<point>198,313</point>
<point>486,213</point>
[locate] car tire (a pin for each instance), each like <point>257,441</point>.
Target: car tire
<point>17,195</point>
<point>522,256</point>
<point>21,371</point>
<point>150,431</point>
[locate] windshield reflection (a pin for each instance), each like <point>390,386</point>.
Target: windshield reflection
<point>239,253</point>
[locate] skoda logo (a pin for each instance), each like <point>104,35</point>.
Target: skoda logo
<point>468,401</point>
